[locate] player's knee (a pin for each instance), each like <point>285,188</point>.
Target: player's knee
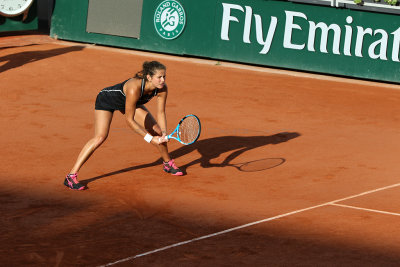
<point>98,140</point>
<point>157,130</point>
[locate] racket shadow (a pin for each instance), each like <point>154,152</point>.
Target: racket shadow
<point>212,148</point>
<point>259,164</point>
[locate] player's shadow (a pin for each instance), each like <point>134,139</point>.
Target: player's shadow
<point>212,148</point>
<point>22,58</point>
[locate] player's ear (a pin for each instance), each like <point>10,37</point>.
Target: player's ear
<point>148,77</point>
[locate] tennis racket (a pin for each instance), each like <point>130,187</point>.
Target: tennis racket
<point>188,130</point>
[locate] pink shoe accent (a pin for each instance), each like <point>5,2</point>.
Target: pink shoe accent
<point>173,166</point>
<point>74,177</point>
<point>70,183</point>
<point>74,182</point>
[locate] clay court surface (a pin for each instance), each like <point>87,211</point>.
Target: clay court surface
<point>333,200</point>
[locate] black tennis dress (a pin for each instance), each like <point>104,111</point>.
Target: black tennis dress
<point>113,97</point>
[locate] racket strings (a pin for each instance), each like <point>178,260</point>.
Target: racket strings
<point>189,129</point>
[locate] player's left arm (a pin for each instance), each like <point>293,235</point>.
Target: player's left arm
<point>161,114</point>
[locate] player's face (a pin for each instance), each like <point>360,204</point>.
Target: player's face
<point>158,79</point>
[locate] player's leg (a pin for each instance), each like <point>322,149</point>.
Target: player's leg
<point>147,121</point>
<point>102,122</point>
<point>144,118</point>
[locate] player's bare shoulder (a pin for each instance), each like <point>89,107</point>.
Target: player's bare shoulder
<point>132,87</point>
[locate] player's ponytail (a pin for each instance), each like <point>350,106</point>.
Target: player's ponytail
<point>149,68</point>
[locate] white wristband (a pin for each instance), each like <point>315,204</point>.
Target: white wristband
<point>148,138</point>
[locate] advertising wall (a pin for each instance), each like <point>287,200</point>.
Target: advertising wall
<point>270,33</point>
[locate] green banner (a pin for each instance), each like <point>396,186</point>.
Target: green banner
<point>312,38</point>
<point>282,34</point>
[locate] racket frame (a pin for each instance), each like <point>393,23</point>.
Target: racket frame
<point>170,136</point>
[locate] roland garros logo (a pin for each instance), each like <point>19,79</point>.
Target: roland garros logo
<point>169,19</point>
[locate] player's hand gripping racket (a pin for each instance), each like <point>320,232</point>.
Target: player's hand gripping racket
<point>188,130</point>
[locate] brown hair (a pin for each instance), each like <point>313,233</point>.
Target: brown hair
<point>149,68</point>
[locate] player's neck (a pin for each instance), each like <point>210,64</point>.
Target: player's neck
<point>149,87</point>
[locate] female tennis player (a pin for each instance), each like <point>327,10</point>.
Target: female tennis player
<point>129,97</point>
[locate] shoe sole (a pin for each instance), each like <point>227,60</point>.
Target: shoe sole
<point>78,189</point>
<point>175,174</point>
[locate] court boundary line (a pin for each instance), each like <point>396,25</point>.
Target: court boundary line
<point>366,209</point>
<point>251,224</point>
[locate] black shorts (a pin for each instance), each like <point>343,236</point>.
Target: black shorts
<point>102,104</point>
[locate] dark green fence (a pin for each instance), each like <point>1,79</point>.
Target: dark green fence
<point>282,34</point>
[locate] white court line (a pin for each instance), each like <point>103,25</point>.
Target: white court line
<point>250,224</point>
<point>365,209</point>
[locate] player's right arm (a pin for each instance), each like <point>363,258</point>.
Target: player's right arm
<point>132,94</point>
